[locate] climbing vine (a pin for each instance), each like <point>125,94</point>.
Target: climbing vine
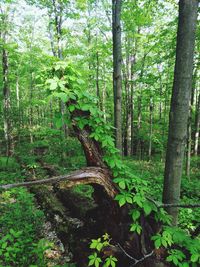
<point>65,82</point>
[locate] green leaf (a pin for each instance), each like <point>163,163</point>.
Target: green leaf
<point>136,228</point>
<point>157,243</point>
<point>147,208</point>
<point>71,108</point>
<point>122,185</point>
<point>185,264</point>
<point>164,243</point>
<point>175,260</point>
<point>129,199</point>
<point>138,200</point>
<point>99,246</point>
<point>4,245</point>
<point>97,261</point>
<point>195,257</point>
<point>91,262</point>
<point>122,201</point>
<point>135,214</point>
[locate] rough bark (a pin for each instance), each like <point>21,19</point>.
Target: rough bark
<point>180,103</point>
<point>117,79</point>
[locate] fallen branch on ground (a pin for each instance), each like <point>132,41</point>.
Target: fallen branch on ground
<point>89,175</point>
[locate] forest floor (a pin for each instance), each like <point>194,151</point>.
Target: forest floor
<point>39,222</point>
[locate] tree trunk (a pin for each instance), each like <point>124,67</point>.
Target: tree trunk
<point>189,143</point>
<point>6,103</point>
<point>180,103</point>
<point>150,126</point>
<point>51,35</point>
<point>197,127</point>
<point>97,80</point>
<point>117,79</point>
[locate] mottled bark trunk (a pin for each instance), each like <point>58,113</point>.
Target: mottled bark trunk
<point>180,103</point>
<point>117,79</point>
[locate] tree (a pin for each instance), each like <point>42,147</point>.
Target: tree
<point>179,110</point>
<point>5,77</point>
<point>117,79</point>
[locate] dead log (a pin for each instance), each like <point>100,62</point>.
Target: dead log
<point>89,175</point>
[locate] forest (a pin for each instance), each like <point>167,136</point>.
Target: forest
<point>99,133</point>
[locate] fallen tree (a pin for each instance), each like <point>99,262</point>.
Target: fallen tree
<point>134,221</point>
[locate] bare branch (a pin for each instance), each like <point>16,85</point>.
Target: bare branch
<point>132,258</point>
<point>89,175</point>
<point>166,205</point>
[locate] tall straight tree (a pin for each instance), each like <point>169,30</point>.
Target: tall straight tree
<point>117,76</point>
<point>4,19</point>
<point>179,109</point>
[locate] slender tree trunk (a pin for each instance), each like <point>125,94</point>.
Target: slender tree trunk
<point>58,9</point>
<point>17,90</point>
<point>197,127</point>
<point>51,35</point>
<point>189,143</point>
<point>189,128</point>
<point>117,79</point>
<point>6,103</point>
<point>180,103</point>
<point>139,117</point>
<point>150,126</point>
<point>97,81</point>
<point>132,117</point>
<point>31,107</point>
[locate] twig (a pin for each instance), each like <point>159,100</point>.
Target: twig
<point>143,258</point>
<point>136,261</point>
<point>129,256</point>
